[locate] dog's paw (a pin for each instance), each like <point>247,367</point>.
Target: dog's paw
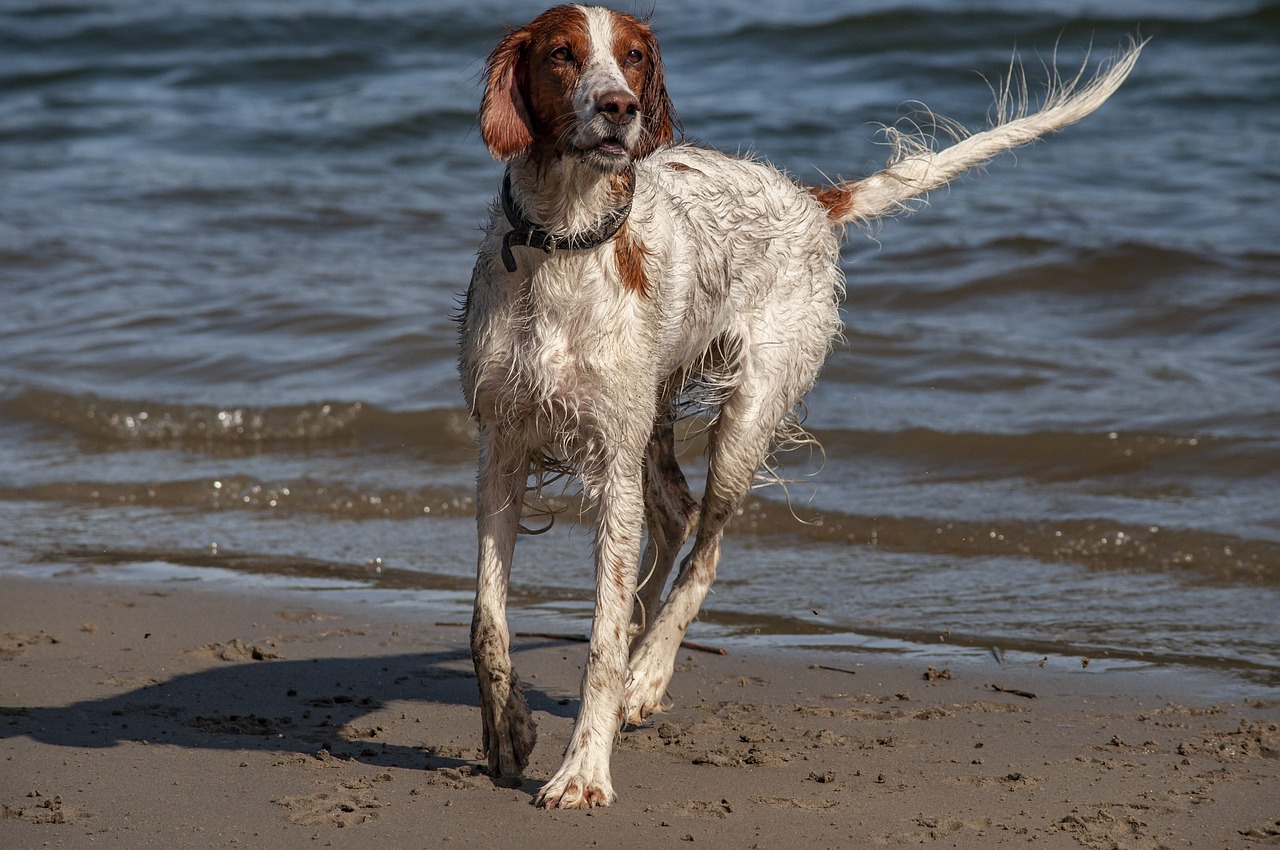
<point>643,703</point>
<point>574,787</point>
<point>645,694</point>
<point>507,746</point>
<point>510,734</point>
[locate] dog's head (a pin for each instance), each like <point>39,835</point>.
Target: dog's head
<point>577,81</point>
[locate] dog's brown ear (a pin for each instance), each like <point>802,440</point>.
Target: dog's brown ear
<point>504,114</point>
<point>660,120</point>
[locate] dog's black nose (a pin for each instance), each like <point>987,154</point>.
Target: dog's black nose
<point>618,106</point>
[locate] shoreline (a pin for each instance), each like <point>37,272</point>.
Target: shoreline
<point>178,715</point>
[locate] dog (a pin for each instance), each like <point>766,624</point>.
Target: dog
<point>624,277</point>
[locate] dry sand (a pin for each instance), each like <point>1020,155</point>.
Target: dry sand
<point>175,716</point>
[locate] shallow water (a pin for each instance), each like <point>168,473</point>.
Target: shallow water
<point>232,237</point>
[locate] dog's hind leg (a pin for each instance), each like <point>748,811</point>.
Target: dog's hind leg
<point>509,730</point>
<point>670,514</point>
<point>740,440</point>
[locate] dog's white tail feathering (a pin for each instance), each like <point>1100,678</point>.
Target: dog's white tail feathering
<point>916,167</point>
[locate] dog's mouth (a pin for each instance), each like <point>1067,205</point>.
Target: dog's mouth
<point>609,151</point>
<point>609,147</point>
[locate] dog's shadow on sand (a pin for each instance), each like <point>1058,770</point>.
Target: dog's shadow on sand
<point>323,707</point>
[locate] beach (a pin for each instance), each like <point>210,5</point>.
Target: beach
<point>173,715</point>
<point>235,243</point>
<point>1026,592</point>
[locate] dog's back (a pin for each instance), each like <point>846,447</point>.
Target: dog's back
<point>737,254</point>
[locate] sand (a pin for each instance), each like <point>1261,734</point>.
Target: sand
<point>179,716</point>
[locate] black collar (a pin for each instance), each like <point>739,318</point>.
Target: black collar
<point>525,233</point>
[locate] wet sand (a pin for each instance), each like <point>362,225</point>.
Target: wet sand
<point>176,716</point>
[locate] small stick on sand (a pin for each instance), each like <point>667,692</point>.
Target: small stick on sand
<point>702,647</point>
<point>554,636</point>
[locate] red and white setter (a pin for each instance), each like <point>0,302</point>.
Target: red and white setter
<point>624,277</point>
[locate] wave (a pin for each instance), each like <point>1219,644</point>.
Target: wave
<point>1196,17</point>
<point>391,578</point>
<point>1043,456</point>
<point>263,44</point>
<point>246,493</point>
<point>447,436</point>
<point>564,606</point>
<point>1026,267</point>
<point>106,424</point>
<point>1094,543</point>
<point>138,29</point>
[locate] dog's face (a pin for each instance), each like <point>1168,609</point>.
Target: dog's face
<point>581,82</point>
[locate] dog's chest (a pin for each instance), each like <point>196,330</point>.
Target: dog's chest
<point>570,342</point>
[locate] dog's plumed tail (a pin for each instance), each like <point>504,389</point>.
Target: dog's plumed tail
<point>916,166</point>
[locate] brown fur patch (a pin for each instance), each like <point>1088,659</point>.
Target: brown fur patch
<point>636,48</point>
<point>551,80</point>
<point>505,124</point>
<point>837,199</point>
<point>527,91</point>
<point>630,253</point>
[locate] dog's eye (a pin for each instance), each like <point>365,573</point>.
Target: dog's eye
<point>562,54</point>
<point>635,57</point>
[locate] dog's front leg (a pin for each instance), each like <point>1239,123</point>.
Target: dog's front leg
<point>509,730</point>
<point>583,780</point>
